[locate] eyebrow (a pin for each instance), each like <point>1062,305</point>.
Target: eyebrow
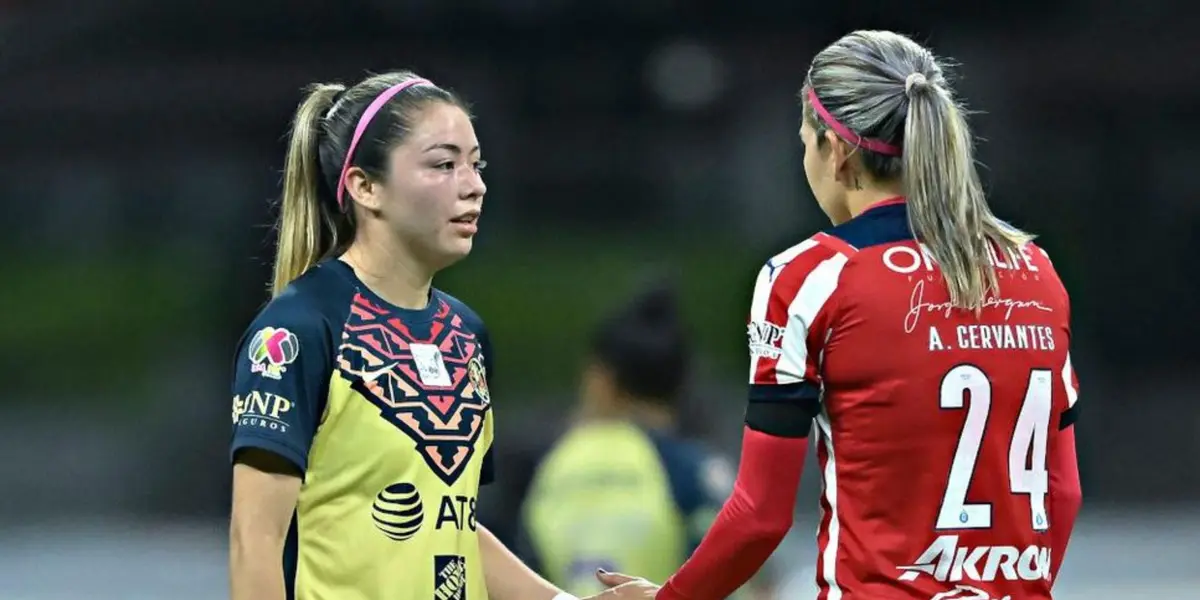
<point>454,148</point>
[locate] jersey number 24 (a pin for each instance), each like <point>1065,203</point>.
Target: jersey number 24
<point>1026,452</point>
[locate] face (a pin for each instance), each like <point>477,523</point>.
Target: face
<point>433,195</point>
<point>822,163</point>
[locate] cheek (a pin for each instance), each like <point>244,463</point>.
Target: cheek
<point>416,206</point>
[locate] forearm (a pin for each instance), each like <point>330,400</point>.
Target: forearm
<point>506,576</point>
<point>256,568</point>
<point>1066,497</point>
<point>751,523</point>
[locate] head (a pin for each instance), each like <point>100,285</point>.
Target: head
<point>393,158</point>
<point>639,356</point>
<point>879,113</point>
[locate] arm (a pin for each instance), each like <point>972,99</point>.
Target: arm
<point>717,478</point>
<point>280,373</point>
<point>507,577</point>
<point>1066,497</point>
<point>265,488</point>
<point>788,323</point>
<point>751,523</point>
<point>1066,494</point>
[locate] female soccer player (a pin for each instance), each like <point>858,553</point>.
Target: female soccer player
<point>928,339</point>
<point>361,412</point>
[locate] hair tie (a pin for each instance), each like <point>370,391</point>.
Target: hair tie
<point>914,80</point>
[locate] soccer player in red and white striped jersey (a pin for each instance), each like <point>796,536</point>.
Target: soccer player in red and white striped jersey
<point>922,341</point>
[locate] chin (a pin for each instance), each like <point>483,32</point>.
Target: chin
<point>457,250</point>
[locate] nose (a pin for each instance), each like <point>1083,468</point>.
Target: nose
<point>472,186</point>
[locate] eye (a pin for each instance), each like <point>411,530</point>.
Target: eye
<point>445,166</point>
<point>480,165</point>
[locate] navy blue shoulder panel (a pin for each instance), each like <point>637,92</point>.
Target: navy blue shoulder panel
<point>885,224</point>
<point>330,287</point>
<point>282,366</point>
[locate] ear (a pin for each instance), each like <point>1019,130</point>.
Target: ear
<point>839,155</point>
<point>362,189</point>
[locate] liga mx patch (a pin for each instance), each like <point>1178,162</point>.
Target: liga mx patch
<point>449,577</point>
<point>271,350</point>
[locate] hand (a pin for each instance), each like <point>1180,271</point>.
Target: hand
<point>624,587</point>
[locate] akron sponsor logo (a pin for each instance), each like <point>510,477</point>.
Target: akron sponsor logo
<point>398,511</point>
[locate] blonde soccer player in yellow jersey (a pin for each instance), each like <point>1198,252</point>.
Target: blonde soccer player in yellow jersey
<point>362,418</point>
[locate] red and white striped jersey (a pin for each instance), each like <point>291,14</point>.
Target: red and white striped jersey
<point>935,423</point>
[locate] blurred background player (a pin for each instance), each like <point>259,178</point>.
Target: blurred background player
<point>362,421</point>
<point>937,372</point>
<point>624,489</point>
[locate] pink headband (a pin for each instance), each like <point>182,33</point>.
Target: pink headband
<point>845,133</point>
<point>365,120</point>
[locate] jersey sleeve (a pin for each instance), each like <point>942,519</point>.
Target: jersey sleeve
<point>1070,381</point>
<point>790,318</point>
<point>281,379</point>
<point>487,470</point>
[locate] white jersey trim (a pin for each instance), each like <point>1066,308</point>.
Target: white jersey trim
<point>829,554</point>
<point>814,292</point>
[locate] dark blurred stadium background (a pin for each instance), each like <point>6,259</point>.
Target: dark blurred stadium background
<point>143,142</point>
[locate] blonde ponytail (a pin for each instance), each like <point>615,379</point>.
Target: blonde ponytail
<point>948,211</point>
<point>305,235</point>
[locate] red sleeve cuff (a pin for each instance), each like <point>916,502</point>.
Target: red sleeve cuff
<point>668,592</point>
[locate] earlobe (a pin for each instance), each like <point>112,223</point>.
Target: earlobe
<point>838,156</point>
<point>361,188</point>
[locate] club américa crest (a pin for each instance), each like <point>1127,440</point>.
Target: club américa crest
<point>477,374</point>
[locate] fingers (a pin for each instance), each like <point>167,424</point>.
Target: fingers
<point>633,589</point>
<point>613,579</point>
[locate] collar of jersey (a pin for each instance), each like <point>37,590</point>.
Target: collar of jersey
<point>893,201</point>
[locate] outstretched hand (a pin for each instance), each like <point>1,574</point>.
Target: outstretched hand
<point>624,587</point>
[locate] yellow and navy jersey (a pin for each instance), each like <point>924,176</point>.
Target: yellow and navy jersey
<point>620,497</point>
<point>386,413</point>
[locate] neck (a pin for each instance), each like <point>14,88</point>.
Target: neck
<point>858,201</point>
<point>390,270</point>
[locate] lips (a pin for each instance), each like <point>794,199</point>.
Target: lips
<point>467,218</point>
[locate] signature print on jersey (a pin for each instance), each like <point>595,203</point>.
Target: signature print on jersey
<point>422,384</point>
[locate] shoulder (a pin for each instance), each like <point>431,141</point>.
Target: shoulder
<point>471,319</point>
<point>310,308</point>
<point>1033,252</point>
<point>473,323</point>
<point>1038,258</point>
<point>806,272</point>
